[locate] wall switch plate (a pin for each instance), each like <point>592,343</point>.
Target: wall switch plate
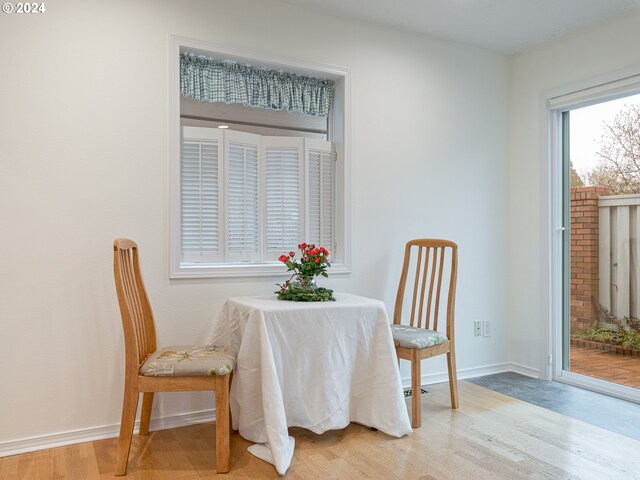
<point>486,328</point>
<point>477,328</point>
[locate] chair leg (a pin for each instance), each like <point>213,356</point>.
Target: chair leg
<point>416,388</point>
<point>453,378</point>
<point>230,417</point>
<point>145,414</point>
<point>129,408</point>
<point>223,449</point>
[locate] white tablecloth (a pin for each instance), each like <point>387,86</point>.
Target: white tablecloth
<point>312,365</point>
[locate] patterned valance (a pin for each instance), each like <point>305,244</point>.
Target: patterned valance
<point>209,80</point>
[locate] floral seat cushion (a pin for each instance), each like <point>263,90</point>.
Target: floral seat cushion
<point>188,360</point>
<point>412,337</point>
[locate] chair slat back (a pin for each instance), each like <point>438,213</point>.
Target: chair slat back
<point>433,256</point>
<point>135,309</point>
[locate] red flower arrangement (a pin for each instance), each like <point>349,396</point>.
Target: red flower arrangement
<point>301,286</point>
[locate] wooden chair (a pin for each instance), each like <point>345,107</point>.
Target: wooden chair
<point>421,338</point>
<point>149,370</point>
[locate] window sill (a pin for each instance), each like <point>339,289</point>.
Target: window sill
<point>194,270</point>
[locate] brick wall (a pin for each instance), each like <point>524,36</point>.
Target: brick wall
<point>584,254</point>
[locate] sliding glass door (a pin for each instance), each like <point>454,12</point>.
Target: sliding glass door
<point>599,152</point>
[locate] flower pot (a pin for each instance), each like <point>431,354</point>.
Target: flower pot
<point>304,282</point>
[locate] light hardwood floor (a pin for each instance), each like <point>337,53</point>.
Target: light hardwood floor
<point>491,436</point>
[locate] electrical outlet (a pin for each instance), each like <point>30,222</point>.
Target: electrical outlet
<point>477,328</point>
<point>486,328</point>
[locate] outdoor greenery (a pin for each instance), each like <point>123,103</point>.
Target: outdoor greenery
<point>631,340</point>
<point>624,339</point>
<point>597,335</point>
<point>627,334</point>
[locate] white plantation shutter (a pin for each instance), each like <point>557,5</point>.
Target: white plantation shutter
<point>247,198</point>
<point>242,196</point>
<point>199,194</point>
<point>320,205</point>
<point>284,194</point>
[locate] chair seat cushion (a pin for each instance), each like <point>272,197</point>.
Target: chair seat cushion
<point>413,337</point>
<point>188,360</point>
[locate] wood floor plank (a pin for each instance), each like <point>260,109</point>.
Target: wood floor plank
<point>491,436</point>
<point>9,467</point>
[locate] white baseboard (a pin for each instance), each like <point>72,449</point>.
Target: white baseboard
<point>524,370</point>
<point>473,372</point>
<point>15,447</point>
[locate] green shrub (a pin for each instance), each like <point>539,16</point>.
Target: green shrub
<point>605,336</point>
<point>584,334</point>
<point>631,340</point>
<point>626,339</point>
<point>596,335</point>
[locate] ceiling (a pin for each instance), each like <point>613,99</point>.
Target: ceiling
<point>506,26</point>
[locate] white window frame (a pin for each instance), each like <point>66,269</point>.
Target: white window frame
<point>339,127</point>
<point>553,104</point>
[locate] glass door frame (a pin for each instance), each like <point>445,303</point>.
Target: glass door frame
<point>558,104</point>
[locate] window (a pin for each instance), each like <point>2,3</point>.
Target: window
<point>244,195</point>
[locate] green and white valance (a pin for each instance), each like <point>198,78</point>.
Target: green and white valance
<point>209,80</point>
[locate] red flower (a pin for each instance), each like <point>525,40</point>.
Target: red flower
<point>302,246</point>
<point>283,258</point>
<point>317,259</point>
<point>324,251</point>
<point>291,254</point>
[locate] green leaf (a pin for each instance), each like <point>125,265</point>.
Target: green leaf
<point>305,294</point>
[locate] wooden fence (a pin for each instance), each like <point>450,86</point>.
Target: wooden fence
<point>619,228</point>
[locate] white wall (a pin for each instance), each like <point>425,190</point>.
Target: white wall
<point>599,51</point>
<point>83,145</point>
